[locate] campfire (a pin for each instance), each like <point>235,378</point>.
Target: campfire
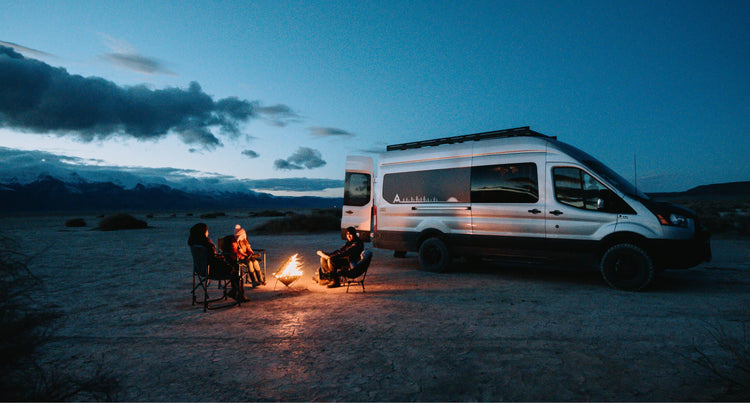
<point>290,271</point>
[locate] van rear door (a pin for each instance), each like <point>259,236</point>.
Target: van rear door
<point>357,208</point>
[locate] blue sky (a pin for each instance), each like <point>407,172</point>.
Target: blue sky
<point>282,91</point>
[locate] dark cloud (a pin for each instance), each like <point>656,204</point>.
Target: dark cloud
<point>24,50</point>
<point>285,165</point>
<point>279,115</point>
<point>250,154</point>
<point>36,97</point>
<point>303,158</point>
<point>138,63</point>
<point>329,131</point>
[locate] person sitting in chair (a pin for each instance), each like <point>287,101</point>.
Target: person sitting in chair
<point>246,255</point>
<point>219,266</point>
<point>338,260</point>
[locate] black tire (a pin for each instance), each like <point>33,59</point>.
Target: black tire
<point>399,254</point>
<point>434,255</point>
<point>627,267</point>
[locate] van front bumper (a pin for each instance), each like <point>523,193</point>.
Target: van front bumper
<point>683,253</point>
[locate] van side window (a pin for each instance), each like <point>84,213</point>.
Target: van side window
<point>433,186</point>
<point>507,183</point>
<point>356,189</point>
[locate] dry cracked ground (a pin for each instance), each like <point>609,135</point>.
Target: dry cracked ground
<point>486,332</point>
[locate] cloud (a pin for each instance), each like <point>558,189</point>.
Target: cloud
<point>138,63</point>
<point>250,154</point>
<point>24,50</point>
<point>39,98</point>
<point>295,184</point>
<point>279,115</point>
<point>303,158</point>
<point>126,56</point>
<point>329,131</point>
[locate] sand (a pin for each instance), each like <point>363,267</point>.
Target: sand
<point>488,332</point>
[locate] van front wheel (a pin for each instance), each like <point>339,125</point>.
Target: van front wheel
<point>627,267</point>
<point>434,255</point>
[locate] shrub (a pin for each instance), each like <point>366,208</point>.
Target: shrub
<point>268,213</point>
<point>75,222</point>
<point>320,220</point>
<point>734,365</point>
<point>213,215</point>
<point>121,221</point>
<point>25,327</point>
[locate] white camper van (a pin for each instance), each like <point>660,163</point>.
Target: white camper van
<point>520,194</point>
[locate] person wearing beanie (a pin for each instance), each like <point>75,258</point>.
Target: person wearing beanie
<point>246,255</point>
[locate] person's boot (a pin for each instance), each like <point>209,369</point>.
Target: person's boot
<point>335,283</point>
<point>241,296</point>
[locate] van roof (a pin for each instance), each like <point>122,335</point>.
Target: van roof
<point>524,131</point>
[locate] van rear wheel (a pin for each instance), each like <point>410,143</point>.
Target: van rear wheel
<point>434,255</point>
<point>627,267</point>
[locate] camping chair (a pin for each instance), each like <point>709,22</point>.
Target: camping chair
<point>358,272</point>
<point>225,247</point>
<point>202,278</point>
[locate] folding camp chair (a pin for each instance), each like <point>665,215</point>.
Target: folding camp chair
<point>358,272</point>
<point>202,278</point>
<point>225,247</point>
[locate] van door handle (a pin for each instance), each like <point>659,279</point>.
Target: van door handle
<point>349,212</point>
<point>535,211</point>
<point>556,212</point>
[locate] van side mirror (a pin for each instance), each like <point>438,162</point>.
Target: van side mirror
<point>600,204</point>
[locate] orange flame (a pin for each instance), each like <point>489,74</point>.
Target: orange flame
<point>290,271</point>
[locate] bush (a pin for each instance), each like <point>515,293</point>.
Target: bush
<point>320,220</point>
<point>24,328</point>
<point>268,213</point>
<point>734,365</point>
<point>121,221</point>
<point>213,215</point>
<point>730,216</point>
<point>75,222</point>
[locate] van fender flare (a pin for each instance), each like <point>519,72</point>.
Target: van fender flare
<point>622,237</point>
<point>429,233</point>
<point>636,229</point>
<point>431,227</point>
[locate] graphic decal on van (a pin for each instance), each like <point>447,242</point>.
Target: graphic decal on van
<point>433,186</point>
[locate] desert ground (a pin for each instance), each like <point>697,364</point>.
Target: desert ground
<point>483,333</point>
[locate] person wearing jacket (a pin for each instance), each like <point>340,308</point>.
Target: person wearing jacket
<point>338,260</point>
<point>246,255</point>
<point>219,266</point>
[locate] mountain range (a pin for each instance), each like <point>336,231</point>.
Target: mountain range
<point>50,194</point>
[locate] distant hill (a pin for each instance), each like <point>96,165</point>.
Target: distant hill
<point>49,194</point>
<point>729,190</point>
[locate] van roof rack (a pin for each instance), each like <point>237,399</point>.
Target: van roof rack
<point>516,132</point>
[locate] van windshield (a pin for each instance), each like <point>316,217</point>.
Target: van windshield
<point>612,177</point>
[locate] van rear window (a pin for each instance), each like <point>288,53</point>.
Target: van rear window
<point>434,186</point>
<point>506,183</point>
<point>356,189</point>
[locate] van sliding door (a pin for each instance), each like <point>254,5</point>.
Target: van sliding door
<point>506,207</point>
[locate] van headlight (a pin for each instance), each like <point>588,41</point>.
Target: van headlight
<point>675,220</point>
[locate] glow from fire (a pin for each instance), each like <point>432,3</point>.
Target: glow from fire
<point>292,268</point>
